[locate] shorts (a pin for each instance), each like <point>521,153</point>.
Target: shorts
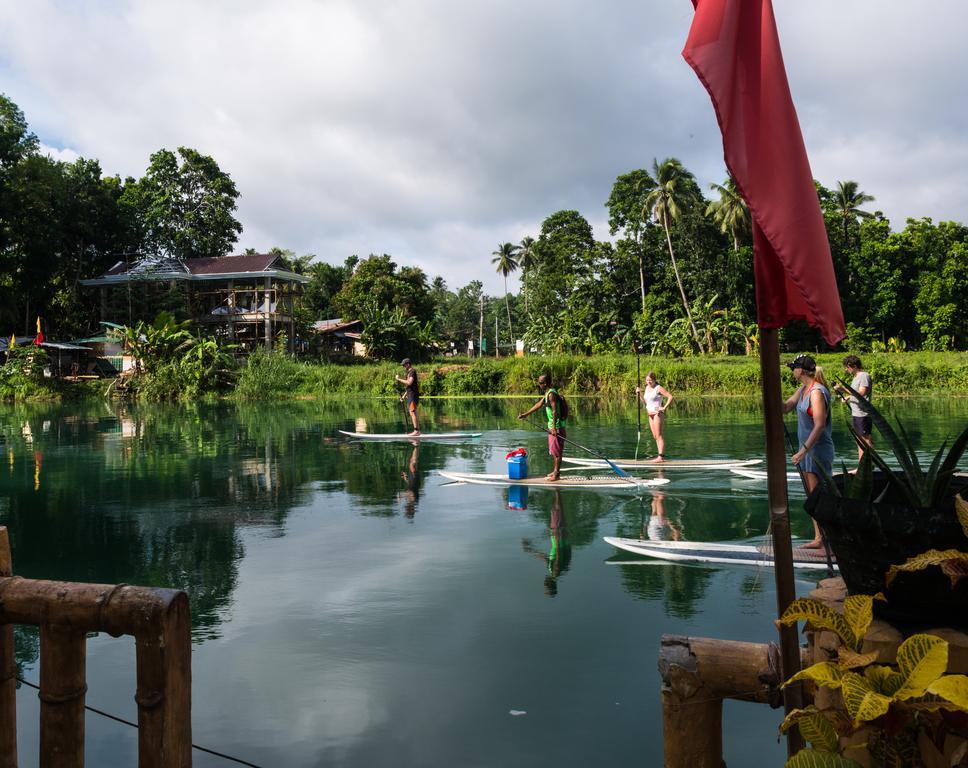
<point>863,425</point>
<point>412,404</point>
<point>556,444</point>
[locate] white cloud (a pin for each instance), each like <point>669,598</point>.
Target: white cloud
<point>65,154</point>
<point>435,130</point>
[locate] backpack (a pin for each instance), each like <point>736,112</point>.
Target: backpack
<point>563,409</point>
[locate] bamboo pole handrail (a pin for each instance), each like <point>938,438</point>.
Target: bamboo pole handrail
<point>698,674</point>
<point>160,622</point>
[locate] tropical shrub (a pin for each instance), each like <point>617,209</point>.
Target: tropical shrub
<point>892,718</point>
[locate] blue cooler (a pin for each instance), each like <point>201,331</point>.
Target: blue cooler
<point>518,467</point>
<point>518,497</point>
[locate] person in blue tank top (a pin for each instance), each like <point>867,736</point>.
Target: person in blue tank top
<point>815,456</point>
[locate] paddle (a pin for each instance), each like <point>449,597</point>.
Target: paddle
<point>806,490</point>
<point>615,468</point>
<point>638,396</point>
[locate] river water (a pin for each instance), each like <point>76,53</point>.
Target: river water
<point>349,609</point>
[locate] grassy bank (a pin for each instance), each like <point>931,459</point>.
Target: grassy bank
<point>277,376</point>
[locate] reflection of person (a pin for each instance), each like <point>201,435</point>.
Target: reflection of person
<point>861,383</point>
<point>814,427</point>
<point>559,555</point>
<point>412,478</point>
<point>659,527</point>
<point>556,410</point>
<point>411,395</point>
<point>652,397</point>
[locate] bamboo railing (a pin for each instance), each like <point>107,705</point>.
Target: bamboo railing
<point>159,621</point>
<point>698,674</point>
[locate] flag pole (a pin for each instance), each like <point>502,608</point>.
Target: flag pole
<point>776,461</point>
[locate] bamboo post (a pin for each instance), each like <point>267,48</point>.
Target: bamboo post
<point>164,690</point>
<point>8,672</point>
<point>63,656</point>
<point>697,675</point>
<point>776,461</point>
<point>267,318</point>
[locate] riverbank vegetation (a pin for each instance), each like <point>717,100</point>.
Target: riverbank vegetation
<point>273,376</point>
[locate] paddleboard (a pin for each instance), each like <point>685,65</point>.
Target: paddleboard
<point>759,474</point>
<point>407,438</point>
<point>597,482</point>
<point>667,464</point>
<point>720,553</point>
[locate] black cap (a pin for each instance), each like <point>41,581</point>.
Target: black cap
<point>805,362</point>
<point>405,361</point>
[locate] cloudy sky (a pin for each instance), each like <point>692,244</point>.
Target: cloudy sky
<point>434,130</point>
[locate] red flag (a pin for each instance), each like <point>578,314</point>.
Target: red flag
<point>735,51</point>
<point>39,338</point>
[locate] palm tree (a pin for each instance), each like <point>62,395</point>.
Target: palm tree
<point>848,199</point>
<point>730,211</point>
<point>665,204</point>
<point>506,264</point>
<point>528,261</point>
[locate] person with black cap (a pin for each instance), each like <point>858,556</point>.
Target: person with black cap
<point>815,456</point>
<point>411,395</point>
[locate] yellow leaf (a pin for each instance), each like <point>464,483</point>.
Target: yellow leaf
<point>815,758</point>
<point>819,616</point>
<point>826,674</point>
<point>953,688</point>
<point>848,659</point>
<point>883,679</point>
<point>921,660</point>
<point>863,703</point>
<point>956,569</point>
<point>961,509</point>
<point>927,559</point>
<point>814,727</point>
<point>858,613</point>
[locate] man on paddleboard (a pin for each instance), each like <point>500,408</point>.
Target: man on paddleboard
<point>556,411</point>
<point>411,395</point>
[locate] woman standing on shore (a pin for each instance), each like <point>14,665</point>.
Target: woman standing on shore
<point>815,456</point>
<point>652,397</point>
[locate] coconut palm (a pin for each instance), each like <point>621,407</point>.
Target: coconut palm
<point>730,211</point>
<point>528,261</point>
<point>848,199</point>
<point>671,196</point>
<point>506,262</point>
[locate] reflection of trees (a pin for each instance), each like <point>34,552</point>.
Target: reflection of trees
<point>150,495</point>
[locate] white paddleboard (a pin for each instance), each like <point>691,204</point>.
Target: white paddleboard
<point>759,474</point>
<point>407,438</point>
<point>667,464</point>
<point>598,482</point>
<point>720,553</point>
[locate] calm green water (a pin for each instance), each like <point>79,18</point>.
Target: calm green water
<point>351,611</point>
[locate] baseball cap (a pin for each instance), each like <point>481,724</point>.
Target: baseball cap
<point>405,361</point>
<point>805,362</point>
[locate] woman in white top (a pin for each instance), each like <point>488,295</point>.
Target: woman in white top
<point>652,397</point>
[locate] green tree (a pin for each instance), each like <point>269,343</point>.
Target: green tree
<point>185,204</point>
<point>848,199</point>
<point>730,211</point>
<point>528,261</point>
<point>674,193</point>
<point>504,258</point>
<point>377,279</point>
<point>628,210</point>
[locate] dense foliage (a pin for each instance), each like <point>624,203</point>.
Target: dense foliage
<point>676,276</point>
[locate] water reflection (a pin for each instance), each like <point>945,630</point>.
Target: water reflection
<point>558,558</point>
<point>414,482</point>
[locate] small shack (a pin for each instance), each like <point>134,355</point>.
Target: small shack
<point>338,337</point>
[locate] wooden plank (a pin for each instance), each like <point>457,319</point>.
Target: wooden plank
<point>8,672</point>
<point>63,663</point>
